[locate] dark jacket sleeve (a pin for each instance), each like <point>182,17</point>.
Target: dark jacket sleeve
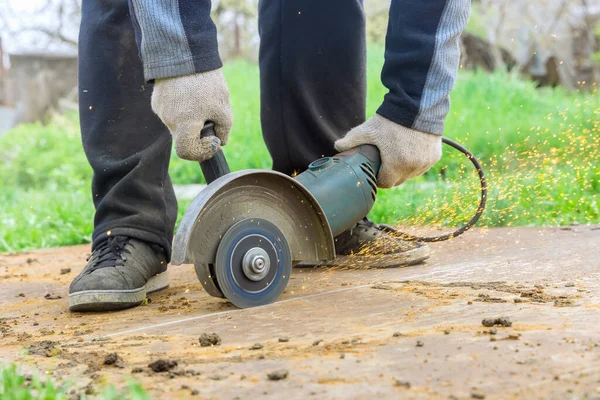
<point>421,61</point>
<point>175,37</point>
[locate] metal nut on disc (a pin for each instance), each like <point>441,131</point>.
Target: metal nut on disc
<point>256,264</point>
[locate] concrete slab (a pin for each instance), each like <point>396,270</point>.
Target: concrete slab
<point>413,332</point>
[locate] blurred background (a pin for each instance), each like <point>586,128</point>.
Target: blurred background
<point>525,102</point>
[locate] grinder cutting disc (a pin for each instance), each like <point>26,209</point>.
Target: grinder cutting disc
<point>253,263</point>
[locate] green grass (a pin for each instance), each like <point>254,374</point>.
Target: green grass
<point>14,385</point>
<point>539,148</point>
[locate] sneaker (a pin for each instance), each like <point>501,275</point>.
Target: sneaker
<point>119,274</point>
<point>375,246</point>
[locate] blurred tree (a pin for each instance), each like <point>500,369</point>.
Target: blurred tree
<point>40,24</point>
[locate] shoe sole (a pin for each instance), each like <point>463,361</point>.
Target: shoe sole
<point>404,259</point>
<point>110,300</point>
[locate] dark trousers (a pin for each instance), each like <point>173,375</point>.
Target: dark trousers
<point>313,85</point>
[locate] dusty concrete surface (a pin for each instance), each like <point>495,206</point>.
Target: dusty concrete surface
<point>397,333</point>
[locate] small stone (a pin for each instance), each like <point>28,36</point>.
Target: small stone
<point>518,300</point>
<point>256,346</point>
<point>493,331</point>
<point>514,336</point>
<point>493,339</point>
<point>420,344</point>
<point>278,375</point>
<point>137,370</point>
<point>477,395</point>
<point>210,339</point>
<point>51,296</point>
<point>342,356</point>
<point>284,339</point>
<point>64,271</point>
<point>35,324</point>
<point>446,332</point>
<point>569,284</point>
<point>469,303</point>
<point>21,295</point>
<point>317,342</point>
<point>397,334</point>
<point>185,387</point>
<point>195,392</point>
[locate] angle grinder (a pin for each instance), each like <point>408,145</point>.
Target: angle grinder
<point>247,229</point>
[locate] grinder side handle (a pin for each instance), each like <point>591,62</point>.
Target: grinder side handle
<point>216,166</point>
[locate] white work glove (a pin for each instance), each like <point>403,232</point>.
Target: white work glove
<point>405,152</point>
<point>185,103</point>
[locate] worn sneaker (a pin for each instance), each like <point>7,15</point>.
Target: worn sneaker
<point>119,274</point>
<point>375,246</point>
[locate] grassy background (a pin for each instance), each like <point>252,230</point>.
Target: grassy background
<point>539,147</point>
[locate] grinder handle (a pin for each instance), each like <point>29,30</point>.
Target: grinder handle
<point>216,166</point>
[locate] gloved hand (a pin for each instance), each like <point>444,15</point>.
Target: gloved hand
<point>405,152</point>
<point>185,103</point>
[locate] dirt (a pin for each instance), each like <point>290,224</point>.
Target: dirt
<point>210,339</point>
<point>360,333</point>
<point>498,321</point>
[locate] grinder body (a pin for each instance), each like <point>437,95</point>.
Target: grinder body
<point>247,229</point>
<point>345,185</point>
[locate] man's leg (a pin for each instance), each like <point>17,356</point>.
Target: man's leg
<point>126,144</point>
<point>313,77</point>
<point>313,91</point>
<point>128,148</point>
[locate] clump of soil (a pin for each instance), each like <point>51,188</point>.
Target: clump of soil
<point>114,359</point>
<point>278,375</point>
<point>399,383</point>
<point>537,295</point>
<point>210,339</point>
<point>563,302</point>
<point>382,287</point>
<point>486,298</point>
<point>162,365</point>
<point>500,321</point>
<point>46,348</point>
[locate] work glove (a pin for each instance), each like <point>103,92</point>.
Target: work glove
<point>405,152</point>
<point>185,103</point>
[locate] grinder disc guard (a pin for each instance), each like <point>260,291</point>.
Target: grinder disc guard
<point>247,195</point>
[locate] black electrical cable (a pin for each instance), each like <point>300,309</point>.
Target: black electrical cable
<point>471,222</point>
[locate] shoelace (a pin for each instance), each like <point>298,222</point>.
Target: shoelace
<point>110,252</point>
